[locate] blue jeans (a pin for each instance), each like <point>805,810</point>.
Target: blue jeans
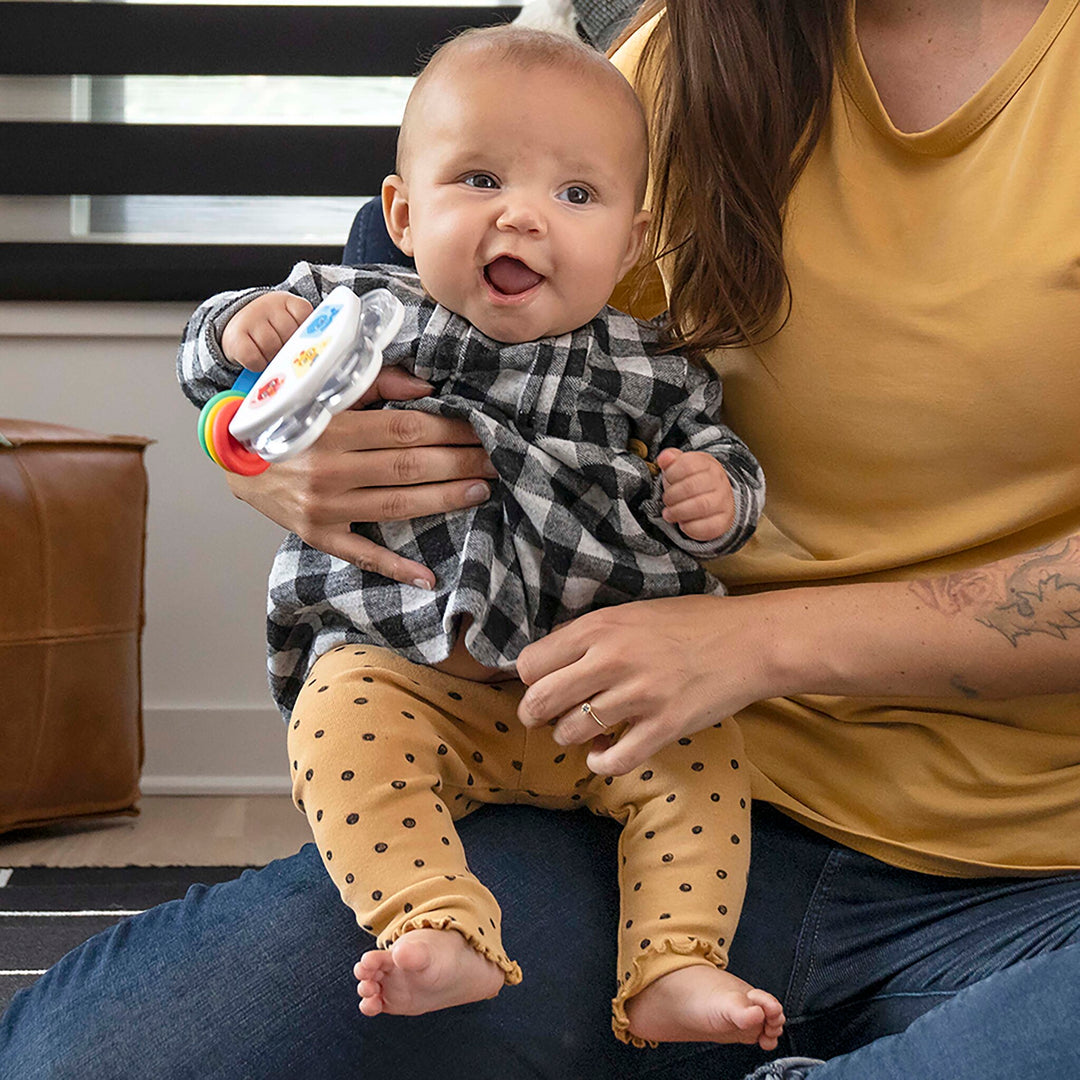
<point>252,978</point>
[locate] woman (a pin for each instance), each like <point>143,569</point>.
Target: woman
<point>903,649</point>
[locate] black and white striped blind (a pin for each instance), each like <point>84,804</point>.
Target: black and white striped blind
<point>156,151</point>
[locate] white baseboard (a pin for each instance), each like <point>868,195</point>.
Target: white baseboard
<point>214,751</point>
<point>214,785</point>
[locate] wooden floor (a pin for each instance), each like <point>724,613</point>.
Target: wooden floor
<point>193,830</point>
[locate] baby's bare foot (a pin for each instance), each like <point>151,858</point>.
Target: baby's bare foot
<point>422,971</point>
<point>705,1004</point>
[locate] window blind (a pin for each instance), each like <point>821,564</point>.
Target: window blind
<point>169,151</point>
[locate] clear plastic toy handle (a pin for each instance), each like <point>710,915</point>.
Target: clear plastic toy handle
<point>323,369</point>
<point>381,315</point>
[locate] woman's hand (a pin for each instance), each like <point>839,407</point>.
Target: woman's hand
<point>653,671</point>
<point>656,670</point>
<point>376,465</point>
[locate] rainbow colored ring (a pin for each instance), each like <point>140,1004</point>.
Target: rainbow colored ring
<point>234,455</point>
<point>204,416</point>
<point>219,444</point>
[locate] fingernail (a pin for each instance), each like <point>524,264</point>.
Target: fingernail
<point>477,493</point>
<point>422,583</point>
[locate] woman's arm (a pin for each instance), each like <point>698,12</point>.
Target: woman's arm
<point>1008,629</point>
<point>373,465</point>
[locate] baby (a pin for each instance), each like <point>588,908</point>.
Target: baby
<point>521,174</point>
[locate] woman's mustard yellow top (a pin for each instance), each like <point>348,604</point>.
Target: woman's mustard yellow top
<point>919,414</point>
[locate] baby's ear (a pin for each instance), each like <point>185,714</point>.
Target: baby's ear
<point>395,205</point>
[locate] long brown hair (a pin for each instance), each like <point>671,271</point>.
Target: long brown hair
<point>742,88</point>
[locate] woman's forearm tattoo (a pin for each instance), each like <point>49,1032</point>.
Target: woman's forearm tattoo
<point>1034,593</point>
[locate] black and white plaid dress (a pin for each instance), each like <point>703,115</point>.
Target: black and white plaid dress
<point>574,522</point>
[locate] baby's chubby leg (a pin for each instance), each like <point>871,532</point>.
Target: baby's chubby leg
<point>684,856</point>
<point>385,755</point>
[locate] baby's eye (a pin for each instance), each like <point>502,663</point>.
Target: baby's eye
<point>577,195</point>
<point>481,180</point>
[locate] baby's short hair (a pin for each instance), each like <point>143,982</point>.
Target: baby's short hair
<point>524,45</point>
<point>527,47</point>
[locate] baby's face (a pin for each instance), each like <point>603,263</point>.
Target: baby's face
<point>519,200</point>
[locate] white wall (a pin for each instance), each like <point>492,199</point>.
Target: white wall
<point>209,721</point>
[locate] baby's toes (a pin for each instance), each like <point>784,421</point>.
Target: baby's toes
<point>774,1028</point>
<point>774,1011</point>
<point>373,964</point>
<point>373,1005</point>
<point>768,1042</point>
<point>370,987</point>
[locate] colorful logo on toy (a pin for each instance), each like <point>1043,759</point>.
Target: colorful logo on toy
<point>321,321</point>
<point>269,389</point>
<point>305,359</point>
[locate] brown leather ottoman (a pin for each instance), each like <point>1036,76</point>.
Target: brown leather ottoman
<point>72,540</point>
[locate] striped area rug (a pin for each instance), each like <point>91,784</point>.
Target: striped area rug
<point>45,911</point>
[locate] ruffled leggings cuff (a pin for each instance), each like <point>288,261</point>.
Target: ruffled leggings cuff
<point>511,971</point>
<point>659,959</point>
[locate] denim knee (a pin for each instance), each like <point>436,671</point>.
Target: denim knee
<point>213,985</point>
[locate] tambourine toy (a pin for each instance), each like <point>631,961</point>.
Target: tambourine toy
<point>323,369</point>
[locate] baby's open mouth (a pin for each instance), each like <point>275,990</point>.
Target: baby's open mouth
<point>510,276</point>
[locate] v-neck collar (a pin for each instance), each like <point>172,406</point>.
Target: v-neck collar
<point>955,130</point>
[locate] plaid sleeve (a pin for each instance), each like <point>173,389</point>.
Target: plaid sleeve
<point>670,402</point>
<point>201,366</point>
<point>694,424</point>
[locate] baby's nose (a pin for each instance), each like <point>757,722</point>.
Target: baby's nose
<point>521,214</point>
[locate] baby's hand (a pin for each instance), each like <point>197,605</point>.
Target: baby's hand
<point>253,336</point>
<point>697,493</point>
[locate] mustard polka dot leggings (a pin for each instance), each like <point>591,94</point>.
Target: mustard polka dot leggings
<point>386,755</point>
